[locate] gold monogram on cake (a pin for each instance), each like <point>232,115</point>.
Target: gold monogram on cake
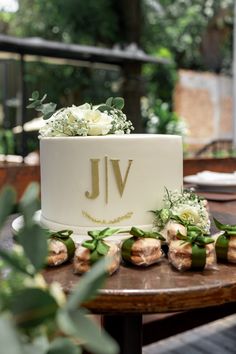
<point>95,177</point>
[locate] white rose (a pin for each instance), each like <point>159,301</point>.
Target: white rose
<point>190,214</point>
<point>99,123</point>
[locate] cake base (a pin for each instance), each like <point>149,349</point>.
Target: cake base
<point>80,234</point>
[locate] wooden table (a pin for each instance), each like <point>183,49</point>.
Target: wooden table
<point>132,292</point>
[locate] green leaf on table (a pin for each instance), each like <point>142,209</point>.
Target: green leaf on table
<point>29,203</point>
<point>32,306</point>
<point>77,324</point>
<point>7,201</point>
<point>33,239</point>
<point>9,339</point>
<point>62,346</point>
<point>88,285</point>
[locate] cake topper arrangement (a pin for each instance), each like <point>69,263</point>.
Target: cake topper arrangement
<point>82,120</point>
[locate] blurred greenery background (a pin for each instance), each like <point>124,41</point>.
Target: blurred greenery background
<point>192,34</point>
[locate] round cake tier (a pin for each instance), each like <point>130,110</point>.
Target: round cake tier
<point>107,181</point>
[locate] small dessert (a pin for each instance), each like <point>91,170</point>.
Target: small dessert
<point>192,251</point>
<point>180,210</point>
<point>225,242</point>
<point>171,230</point>
<point>61,247</point>
<point>92,250</point>
<point>143,248</point>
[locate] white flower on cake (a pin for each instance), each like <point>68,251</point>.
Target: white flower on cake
<point>183,207</point>
<point>82,120</point>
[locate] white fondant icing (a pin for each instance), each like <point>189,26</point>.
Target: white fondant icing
<point>66,176</point>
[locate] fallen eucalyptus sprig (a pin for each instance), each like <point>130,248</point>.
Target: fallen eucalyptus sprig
<point>36,317</point>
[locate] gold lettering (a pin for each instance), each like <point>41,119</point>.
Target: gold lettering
<point>119,181</point>
<point>95,179</point>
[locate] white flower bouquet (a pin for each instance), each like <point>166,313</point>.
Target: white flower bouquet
<point>82,120</point>
<point>184,208</point>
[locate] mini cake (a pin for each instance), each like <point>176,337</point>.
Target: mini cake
<point>225,242</point>
<point>143,248</point>
<point>94,174</point>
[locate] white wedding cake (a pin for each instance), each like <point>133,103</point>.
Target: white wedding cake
<point>101,180</point>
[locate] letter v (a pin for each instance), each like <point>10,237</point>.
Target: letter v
<point>116,168</point>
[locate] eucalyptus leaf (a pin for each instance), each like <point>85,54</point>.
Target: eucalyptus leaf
<point>34,241</point>
<point>62,346</point>
<point>34,104</point>
<point>39,345</point>
<point>38,107</point>
<point>77,324</point>
<point>104,108</point>
<point>29,203</point>
<point>15,263</point>
<point>88,285</point>
<point>47,109</point>
<point>43,98</point>
<point>9,338</point>
<point>32,306</point>
<point>109,101</point>
<point>7,201</point>
<point>35,95</point>
<point>118,102</point>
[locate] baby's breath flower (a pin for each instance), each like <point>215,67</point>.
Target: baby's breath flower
<point>185,205</point>
<point>86,120</point>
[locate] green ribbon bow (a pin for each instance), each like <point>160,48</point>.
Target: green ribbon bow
<point>195,236</point>
<point>64,236</point>
<point>222,242</point>
<point>97,246</point>
<point>137,233</point>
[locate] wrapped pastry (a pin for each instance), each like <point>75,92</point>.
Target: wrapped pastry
<point>92,250</point>
<point>171,230</point>
<point>143,248</point>
<point>61,247</point>
<point>225,242</point>
<point>192,251</point>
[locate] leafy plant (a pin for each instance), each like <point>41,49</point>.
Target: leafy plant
<point>159,119</point>
<point>36,317</point>
<point>47,109</point>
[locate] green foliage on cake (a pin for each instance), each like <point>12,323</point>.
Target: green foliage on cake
<point>82,120</point>
<point>36,317</point>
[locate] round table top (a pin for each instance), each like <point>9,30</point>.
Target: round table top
<point>158,288</point>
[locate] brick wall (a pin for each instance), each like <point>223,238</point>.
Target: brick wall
<point>204,100</point>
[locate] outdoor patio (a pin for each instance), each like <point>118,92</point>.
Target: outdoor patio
<point>104,106</point>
